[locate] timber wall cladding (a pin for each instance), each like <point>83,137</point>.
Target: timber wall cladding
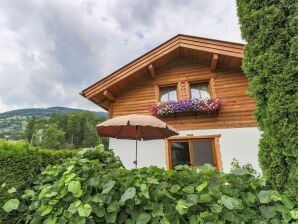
<point>230,85</point>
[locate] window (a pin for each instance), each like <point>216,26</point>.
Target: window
<point>193,151</point>
<point>168,93</point>
<point>199,90</point>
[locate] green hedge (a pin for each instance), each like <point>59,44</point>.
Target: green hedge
<point>93,187</point>
<point>19,166</point>
<point>270,63</point>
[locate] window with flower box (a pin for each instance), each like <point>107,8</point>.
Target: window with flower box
<point>192,98</point>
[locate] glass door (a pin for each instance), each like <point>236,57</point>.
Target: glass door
<point>201,152</point>
<point>192,152</point>
<point>180,153</point>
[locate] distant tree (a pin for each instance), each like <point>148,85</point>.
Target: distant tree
<point>29,130</point>
<point>53,137</point>
<point>89,135</point>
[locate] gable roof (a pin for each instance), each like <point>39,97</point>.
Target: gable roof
<point>229,55</point>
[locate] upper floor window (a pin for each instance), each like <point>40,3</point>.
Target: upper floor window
<point>168,93</point>
<point>199,90</point>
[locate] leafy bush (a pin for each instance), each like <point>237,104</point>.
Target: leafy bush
<point>270,63</point>
<point>20,165</point>
<point>93,187</point>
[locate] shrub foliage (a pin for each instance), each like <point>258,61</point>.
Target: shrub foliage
<point>93,187</point>
<point>19,166</point>
<point>270,63</point>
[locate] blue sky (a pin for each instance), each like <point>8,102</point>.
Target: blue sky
<point>51,50</point>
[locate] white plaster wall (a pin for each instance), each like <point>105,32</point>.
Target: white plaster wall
<point>150,153</point>
<point>238,143</point>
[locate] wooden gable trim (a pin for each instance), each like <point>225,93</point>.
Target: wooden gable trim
<point>202,44</point>
<point>213,63</point>
<point>151,71</point>
<point>109,95</point>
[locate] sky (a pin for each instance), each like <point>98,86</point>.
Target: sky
<point>51,50</point>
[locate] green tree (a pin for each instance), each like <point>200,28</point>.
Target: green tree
<point>53,137</point>
<point>270,63</point>
<point>30,128</point>
<point>90,138</point>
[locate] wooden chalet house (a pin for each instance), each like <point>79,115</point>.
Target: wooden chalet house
<point>197,86</point>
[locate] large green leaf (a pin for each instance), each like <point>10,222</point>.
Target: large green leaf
<point>202,186</point>
<point>85,210</point>
<point>108,187</point>
<point>268,211</point>
<point>128,194</point>
<point>229,203</point>
<point>50,220</point>
<point>143,218</point>
<point>11,205</point>
<point>265,196</point>
<point>182,207</point>
<point>74,187</point>
<point>294,213</point>
<point>174,188</point>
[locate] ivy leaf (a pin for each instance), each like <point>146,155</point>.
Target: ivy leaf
<point>188,189</point>
<point>182,207</point>
<point>144,191</point>
<point>240,171</point>
<point>268,211</point>
<point>228,202</point>
<point>84,210</point>
<point>202,186</point>
<point>29,193</point>
<point>12,190</point>
<point>143,218</point>
<point>111,217</point>
<point>50,220</point>
<point>205,198</point>
<point>11,205</point>
<point>128,194</point>
<point>157,209</point>
<point>75,188</point>
<point>73,207</point>
<point>175,188</point>
<point>264,196</point>
<point>287,202</point>
<point>294,213</point>
<point>216,208</point>
<point>108,187</point>
<point>99,211</point>
<point>45,209</point>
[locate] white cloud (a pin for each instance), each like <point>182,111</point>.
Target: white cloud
<point>51,50</point>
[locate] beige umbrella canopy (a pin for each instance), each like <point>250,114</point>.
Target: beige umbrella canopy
<point>137,127</point>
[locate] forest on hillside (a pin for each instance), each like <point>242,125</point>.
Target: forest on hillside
<point>56,131</point>
<point>13,123</point>
<point>74,130</point>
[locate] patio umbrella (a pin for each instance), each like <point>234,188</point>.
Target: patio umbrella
<point>136,127</point>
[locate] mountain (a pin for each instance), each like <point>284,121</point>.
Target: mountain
<point>13,122</point>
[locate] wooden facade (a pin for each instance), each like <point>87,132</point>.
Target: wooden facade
<point>179,62</point>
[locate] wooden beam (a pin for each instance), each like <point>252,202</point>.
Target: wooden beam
<point>110,111</point>
<point>214,62</point>
<point>109,95</point>
<point>151,71</point>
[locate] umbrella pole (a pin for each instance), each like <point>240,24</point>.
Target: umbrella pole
<point>136,162</point>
